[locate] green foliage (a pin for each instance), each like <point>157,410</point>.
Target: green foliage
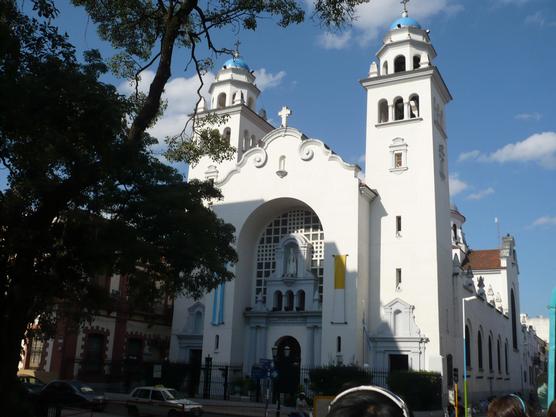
<point>81,200</point>
<point>422,391</point>
<point>146,32</point>
<point>331,380</point>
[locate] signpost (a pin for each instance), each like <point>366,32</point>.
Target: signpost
<point>265,371</point>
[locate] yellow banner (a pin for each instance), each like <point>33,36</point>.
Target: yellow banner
<point>340,272</point>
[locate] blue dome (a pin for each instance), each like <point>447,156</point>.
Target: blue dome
<point>236,63</point>
<point>405,22</point>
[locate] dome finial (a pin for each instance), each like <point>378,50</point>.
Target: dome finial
<point>404,12</point>
<point>236,51</point>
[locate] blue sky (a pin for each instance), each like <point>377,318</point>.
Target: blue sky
<point>498,59</point>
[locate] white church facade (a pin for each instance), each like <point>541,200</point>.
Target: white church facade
<point>342,267</point>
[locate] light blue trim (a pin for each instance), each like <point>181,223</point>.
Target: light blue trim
<point>214,306</point>
<point>221,304</point>
<point>552,349</point>
<point>405,22</point>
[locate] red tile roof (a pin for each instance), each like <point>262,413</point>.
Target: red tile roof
<point>485,259</point>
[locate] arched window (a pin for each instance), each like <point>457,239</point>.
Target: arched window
<point>385,68</point>
<point>480,350</point>
<point>338,344</point>
<point>467,347</point>
<point>221,101</point>
<point>198,323</point>
<point>300,306</point>
<point>250,102</point>
<point>289,301</point>
<point>506,356</point>
<point>399,63</point>
<point>490,364</point>
<point>226,135</point>
<point>234,96</point>
<point>382,111</point>
<point>414,106</point>
<point>416,62</point>
<point>455,232</point>
<point>499,356</point>
<point>253,141</point>
<point>245,140</point>
<point>277,301</point>
<point>398,108</point>
<point>514,321</point>
<point>397,323</point>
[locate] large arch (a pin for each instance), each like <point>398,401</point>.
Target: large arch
<point>249,237</point>
<point>288,362</point>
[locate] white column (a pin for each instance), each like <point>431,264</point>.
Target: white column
<point>406,110</point>
<point>391,113</point>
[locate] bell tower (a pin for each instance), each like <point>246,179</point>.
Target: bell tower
<point>406,162</point>
<point>232,94</point>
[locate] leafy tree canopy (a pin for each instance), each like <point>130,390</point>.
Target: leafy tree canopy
<point>147,31</point>
<point>82,201</point>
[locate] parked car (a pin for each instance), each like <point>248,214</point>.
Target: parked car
<point>161,401</point>
<point>32,384</point>
<point>71,394</point>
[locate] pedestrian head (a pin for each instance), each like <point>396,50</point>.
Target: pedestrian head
<point>552,410</point>
<point>368,401</point>
<point>508,406</point>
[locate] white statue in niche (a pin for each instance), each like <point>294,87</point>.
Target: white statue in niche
<point>291,263</point>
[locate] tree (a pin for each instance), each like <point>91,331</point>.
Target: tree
<point>80,199</point>
<point>147,32</point>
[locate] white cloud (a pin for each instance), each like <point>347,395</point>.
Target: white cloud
<point>180,94</point>
<point>481,194</point>
<point>469,155</point>
<point>265,80</point>
<point>330,40</point>
<point>539,148</point>
<point>545,221</point>
<point>373,17</point>
<point>456,185</point>
<point>528,116</point>
<point>511,2</point>
<point>539,19</point>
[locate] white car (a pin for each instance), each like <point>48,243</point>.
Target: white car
<point>161,401</point>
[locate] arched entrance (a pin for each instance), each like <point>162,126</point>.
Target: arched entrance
<point>287,352</point>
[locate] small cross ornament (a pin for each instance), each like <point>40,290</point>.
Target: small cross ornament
<point>284,114</point>
<point>404,2</point>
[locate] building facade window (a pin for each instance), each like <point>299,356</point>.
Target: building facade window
<point>467,347</point>
<point>398,151</point>
<point>398,278</point>
<point>35,353</point>
<point>480,350</point>
<point>398,225</point>
<point>514,319</point>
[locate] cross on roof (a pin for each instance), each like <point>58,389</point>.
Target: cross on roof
<point>404,2</point>
<point>284,114</point>
<point>236,52</point>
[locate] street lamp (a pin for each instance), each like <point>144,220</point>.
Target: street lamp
<point>279,365</point>
<point>463,320</point>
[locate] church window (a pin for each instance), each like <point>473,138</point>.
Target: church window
<point>455,233</point>
<point>480,350</point>
<point>198,323</point>
<point>216,342</point>
<point>300,306</point>
<point>398,278</point>
<point>399,63</point>
<point>416,62</point>
<point>338,344</point>
<point>382,111</point>
<point>414,106</point>
<point>221,101</point>
<point>514,321</point>
<point>253,141</point>
<point>490,364</point>
<point>398,109</point>
<point>35,353</point>
<point>385,68</point>
<point>226,135</point>
<point>506,356</point>
<point>398,224</point>
<point>250,102</point>
<point>277,302</point>
<point>499,356</point>
<point>289,301</point>
<point>302,221</point>
<point>398,160</point>
<point>467,347</point>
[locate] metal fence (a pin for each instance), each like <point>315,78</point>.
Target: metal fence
<point>209,380</point>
